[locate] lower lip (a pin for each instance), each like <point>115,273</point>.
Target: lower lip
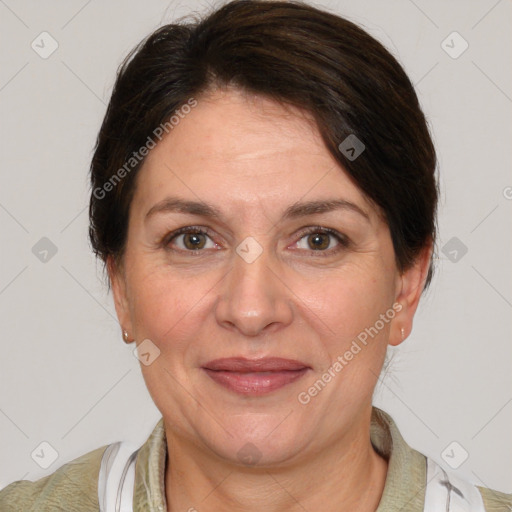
<point>257,383</point>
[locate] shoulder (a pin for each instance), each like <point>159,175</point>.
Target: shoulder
<point>447,489</point>
<point>496,501</point>
<point>73,487</point>
<point>416,482</point>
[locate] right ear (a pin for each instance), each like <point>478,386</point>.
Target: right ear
<point>119,290</point>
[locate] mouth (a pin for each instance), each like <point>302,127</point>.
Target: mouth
<point>257,376</point>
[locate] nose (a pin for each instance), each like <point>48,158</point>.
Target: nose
<point>253,299</point>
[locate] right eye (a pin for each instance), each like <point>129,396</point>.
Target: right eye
<point>189,239</point>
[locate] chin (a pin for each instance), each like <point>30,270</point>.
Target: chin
<point>251,442</point>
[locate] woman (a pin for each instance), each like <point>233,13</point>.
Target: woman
<point>264,200</point>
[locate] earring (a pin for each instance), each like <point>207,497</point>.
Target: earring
<point>402,331</point>
<point>125,336</point>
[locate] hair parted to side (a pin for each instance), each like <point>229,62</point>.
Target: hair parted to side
<point>297,55</point>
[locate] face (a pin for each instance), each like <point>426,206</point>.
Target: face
<point>248,240</point>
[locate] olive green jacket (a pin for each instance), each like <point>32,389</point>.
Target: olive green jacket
<point>74,486</point>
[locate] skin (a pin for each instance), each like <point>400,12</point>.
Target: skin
<point>252,158</point>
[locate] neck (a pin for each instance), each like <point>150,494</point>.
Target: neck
<point>347,475</point>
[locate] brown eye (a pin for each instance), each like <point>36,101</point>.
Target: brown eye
<point>324,241</point>
<point>319,241</point>
<point>194,241</point>
<point>190,239</point>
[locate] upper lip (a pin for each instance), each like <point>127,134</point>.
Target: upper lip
<point>242,364</point>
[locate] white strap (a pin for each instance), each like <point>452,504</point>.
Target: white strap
<point>448,493</point>
<point>117,477</point>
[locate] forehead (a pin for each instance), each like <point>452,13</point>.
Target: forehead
<point>232,126</point>
<point>243,147</point>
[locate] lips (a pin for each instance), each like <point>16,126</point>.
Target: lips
<point>244,365</point>
<point>254,376</point>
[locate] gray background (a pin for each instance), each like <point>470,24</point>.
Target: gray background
<point>67,378</point>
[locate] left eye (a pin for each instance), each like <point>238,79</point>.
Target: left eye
<point>319,241</point>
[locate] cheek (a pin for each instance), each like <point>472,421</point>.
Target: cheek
<point>167,305</point>
<point>168,310</point>
<point>348,300</point>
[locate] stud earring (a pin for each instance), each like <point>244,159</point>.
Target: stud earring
<point>402,331</point>
<point>125,337</point>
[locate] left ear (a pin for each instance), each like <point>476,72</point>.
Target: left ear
<point>410,285</point>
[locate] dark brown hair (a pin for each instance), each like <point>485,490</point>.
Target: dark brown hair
<point>294,54</point>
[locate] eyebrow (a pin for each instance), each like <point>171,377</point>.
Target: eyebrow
<point>301,209</point>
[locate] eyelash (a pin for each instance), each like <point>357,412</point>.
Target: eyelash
<point>343,241</point>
